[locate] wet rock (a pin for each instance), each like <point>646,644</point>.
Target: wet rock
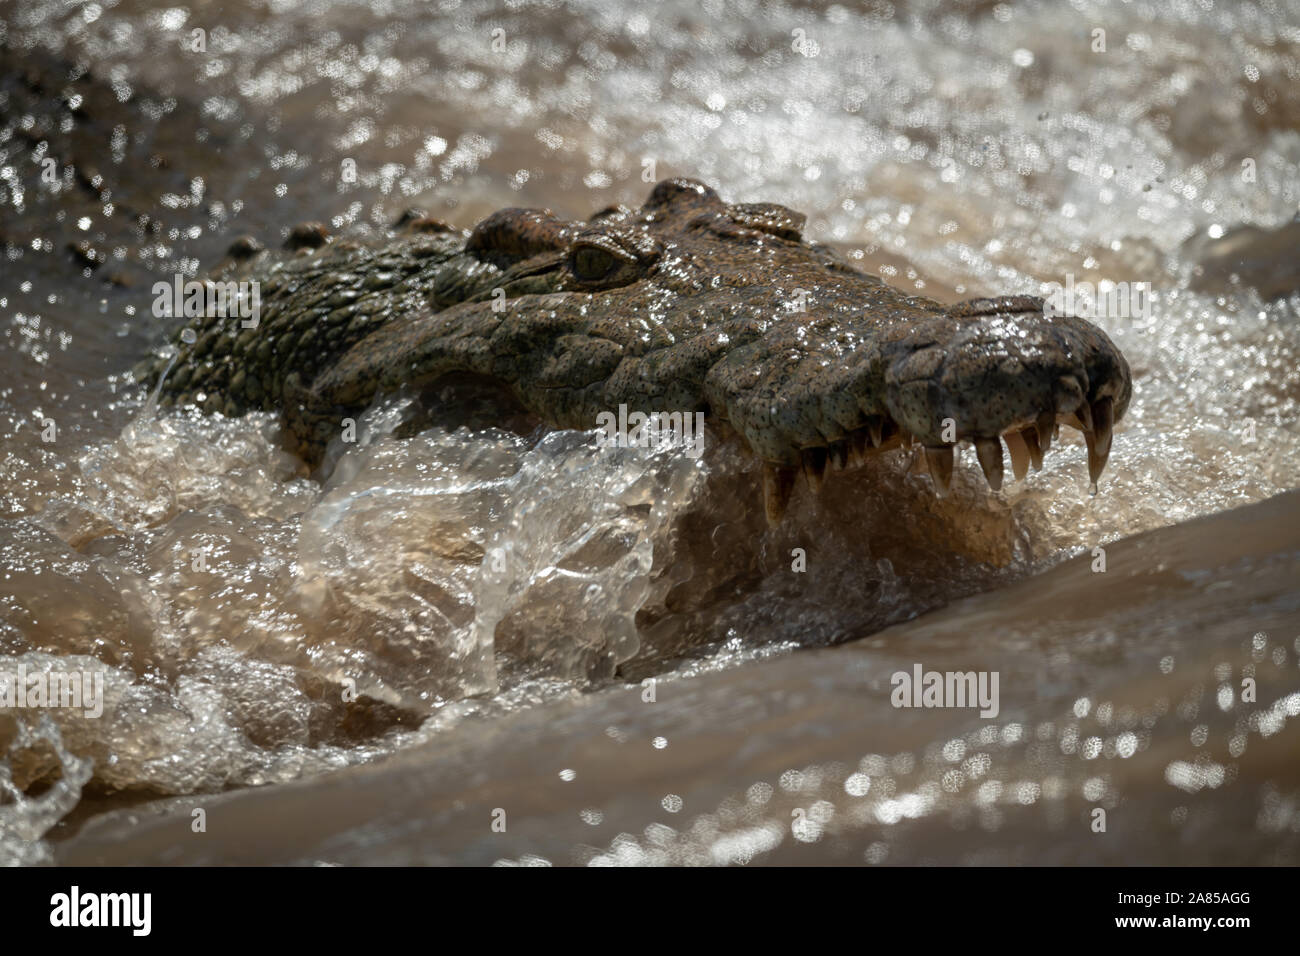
<point>1267,260</point>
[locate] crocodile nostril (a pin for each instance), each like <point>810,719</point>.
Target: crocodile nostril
<point>307,235</point>
<point>244,248</point>
<point>409,215</point>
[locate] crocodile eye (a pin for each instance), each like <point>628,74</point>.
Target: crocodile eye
<point>609,257</point>
<point>593,264</point>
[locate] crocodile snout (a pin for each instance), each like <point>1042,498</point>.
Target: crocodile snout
<point>990,372</point>
<point>1000,370</point>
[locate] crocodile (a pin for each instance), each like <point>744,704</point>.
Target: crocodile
<point>687,304</point>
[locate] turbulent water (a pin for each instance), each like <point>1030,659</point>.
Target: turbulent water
<point>257,625</point>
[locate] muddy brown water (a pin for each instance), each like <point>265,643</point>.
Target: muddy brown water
<point>957,152</point>
<point>804,760</point>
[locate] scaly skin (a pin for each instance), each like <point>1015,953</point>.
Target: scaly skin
<point>687,304</point>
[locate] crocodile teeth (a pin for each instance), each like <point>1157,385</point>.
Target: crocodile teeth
<point>839,454</point>
<point>1096,459</point>
<point>1098,438</point>
<point>1046,428</point>
<point>1030,437</point>
<point>875,427</point>
<point>778,484</point>
<point>859,447</point>
<point>989,453</point>
<point>940,460</point>
<point>1103,421</point>
<point>814,468</point>
<point>1019,453</point>
<point>1083,415</point>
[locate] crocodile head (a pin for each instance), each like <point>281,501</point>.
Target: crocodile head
<point>693,304</point>
<point>689,303</point>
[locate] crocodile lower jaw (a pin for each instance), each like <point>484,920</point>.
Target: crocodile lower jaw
<point>1026,445</point>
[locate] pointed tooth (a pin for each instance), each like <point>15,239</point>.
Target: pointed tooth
<point>1030,438</point>
<point>1103,420</point>
<point>917,464</point>
<point>1097,457</point>
<point>989,452</point>
<point>839,454</point>
<point>1099,419</point>
<point>875,429</point>
<point>814,468</point>
<point>778,483</point>
<point>1046,428</point>
<point>1084,414</point>
<point>859,447</point>
<point>940,460</point>
<point>906,438</point>
<point>1019,453</point>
